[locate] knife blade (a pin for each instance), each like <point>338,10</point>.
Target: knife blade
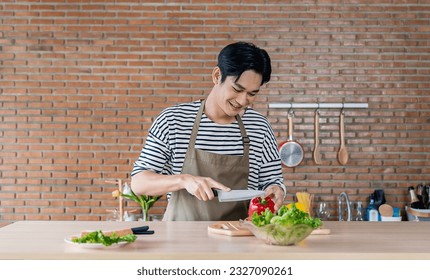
<point>238,195</point>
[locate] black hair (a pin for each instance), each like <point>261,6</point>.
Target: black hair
<point>236,58</point>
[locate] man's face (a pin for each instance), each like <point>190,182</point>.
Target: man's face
<point>235,96</point>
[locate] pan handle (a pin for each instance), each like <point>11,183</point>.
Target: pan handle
<point>290,126</point>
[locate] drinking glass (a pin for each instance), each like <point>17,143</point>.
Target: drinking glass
<point>358,212</point>
<point>323,213</point>
<point>113,216</point>
<point>156,217</point>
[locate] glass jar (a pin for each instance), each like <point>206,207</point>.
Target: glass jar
<point>358,212</point>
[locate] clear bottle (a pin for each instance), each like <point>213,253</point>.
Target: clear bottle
<point>358,212</point>
<point>372,213</point>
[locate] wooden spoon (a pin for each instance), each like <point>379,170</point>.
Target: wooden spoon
<point>317,154</point>
<point>342,155</point>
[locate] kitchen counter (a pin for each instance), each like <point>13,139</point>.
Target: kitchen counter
<point>191,240</point>
<point>2,224</point>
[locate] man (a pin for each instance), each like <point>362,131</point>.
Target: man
<point>216,144</point>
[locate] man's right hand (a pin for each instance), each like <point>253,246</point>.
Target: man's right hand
<point>202,187</point>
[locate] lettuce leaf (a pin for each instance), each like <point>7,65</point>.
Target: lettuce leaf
<point>286,217</point>
<point>107,240</point>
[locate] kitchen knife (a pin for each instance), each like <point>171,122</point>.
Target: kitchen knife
<point>237,195</point>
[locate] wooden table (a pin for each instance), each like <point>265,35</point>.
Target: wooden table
<point>191,240</point>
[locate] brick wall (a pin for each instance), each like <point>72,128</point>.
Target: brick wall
<point>81,82</point>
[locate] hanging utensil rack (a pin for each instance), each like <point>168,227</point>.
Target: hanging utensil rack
<point>318,105</point>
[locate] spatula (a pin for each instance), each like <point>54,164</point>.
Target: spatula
<point>317,154</point>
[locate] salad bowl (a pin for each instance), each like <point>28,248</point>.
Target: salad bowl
<point>278,234</point>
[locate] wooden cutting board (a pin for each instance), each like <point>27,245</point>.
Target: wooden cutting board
<point>321,231</point>
<point>233,228</point>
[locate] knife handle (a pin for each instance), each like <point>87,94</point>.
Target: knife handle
<point>213,190</point>
<point>145,232</point>
<point>140,230</point>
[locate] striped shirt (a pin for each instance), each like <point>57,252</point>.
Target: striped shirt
<point>168,138</point>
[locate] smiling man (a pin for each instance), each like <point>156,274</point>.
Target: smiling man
<point>219,143</point>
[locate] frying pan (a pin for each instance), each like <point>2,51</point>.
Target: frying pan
<point>291,151</point>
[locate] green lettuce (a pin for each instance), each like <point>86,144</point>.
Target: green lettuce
<point>285,217</point>
<point>107,240</point>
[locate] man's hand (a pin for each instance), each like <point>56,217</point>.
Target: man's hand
<point>202,187</point>
<point>276,193</point>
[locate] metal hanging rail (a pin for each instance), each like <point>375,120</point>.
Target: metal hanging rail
<point>318,105</point>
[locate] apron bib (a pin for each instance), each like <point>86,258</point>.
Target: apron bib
<point>231,171</point>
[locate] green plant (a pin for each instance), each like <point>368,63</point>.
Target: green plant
<point>145,201</point>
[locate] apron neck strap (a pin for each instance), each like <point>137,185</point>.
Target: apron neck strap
<point>245,138</point>
<point>193,137</point>
<point>196,125</point>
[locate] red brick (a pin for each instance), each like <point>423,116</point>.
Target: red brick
<point>82,85</point>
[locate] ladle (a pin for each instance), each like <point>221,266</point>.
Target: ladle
<point>342,155</point>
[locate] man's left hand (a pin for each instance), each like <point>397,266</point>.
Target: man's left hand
<point>276,193</point>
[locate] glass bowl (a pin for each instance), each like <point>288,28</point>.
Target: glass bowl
<point>276,234</point>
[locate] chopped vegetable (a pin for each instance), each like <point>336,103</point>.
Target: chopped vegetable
<point>299,206</point>
<point>260,204</point>
<point>286,217</point>
<point>107,240</point>
<point>288,226</point>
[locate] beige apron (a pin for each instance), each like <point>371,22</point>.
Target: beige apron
<point>231,171</point>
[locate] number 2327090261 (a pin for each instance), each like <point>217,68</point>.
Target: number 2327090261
<point>256,270</point>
